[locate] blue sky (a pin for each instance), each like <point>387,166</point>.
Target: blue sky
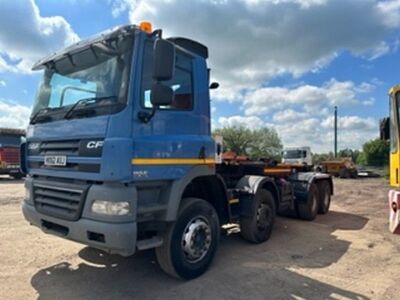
<point>280,63</point>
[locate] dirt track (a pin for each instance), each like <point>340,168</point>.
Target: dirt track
<point>347,254</point>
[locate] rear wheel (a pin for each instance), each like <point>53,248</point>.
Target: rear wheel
<point>325,197</point>
<point>307,210</point>
<point>190,243</point>
<point>257,227</point>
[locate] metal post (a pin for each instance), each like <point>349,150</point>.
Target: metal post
<point>335,134</point>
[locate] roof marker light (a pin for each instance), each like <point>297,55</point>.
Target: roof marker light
<point>146,26</point>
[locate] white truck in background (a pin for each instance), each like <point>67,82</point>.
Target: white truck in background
<point>297,155</point>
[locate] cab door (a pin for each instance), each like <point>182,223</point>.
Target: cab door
<point>394,137</point>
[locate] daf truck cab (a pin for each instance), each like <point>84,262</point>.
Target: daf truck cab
<point>119,155</point>
<point>297,155</point>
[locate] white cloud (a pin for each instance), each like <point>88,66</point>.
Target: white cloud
<point>391,10</point>
<point>311,130</point>
<point>302,115</point>
<point>369,102</point>
<point>289,115</point>
<point>13,115</point>
<point>3,83</point>
<point>310,97</point>
<point>26,36</point>
<point>251,41</point>
<point>250,122</point>
<point>352,123</point>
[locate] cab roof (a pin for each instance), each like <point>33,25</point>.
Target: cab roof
<point>84,44</point>
<point>12,131</point>
<point>187,44</point>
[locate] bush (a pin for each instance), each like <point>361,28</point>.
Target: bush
<point>376,152</point>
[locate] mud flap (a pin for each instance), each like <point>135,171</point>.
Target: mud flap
<point>394,208</point>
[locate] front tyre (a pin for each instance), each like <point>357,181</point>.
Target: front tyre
<point>190,243</point>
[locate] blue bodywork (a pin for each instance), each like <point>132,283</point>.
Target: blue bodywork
<point>170,134</point>
<point>59,199</point>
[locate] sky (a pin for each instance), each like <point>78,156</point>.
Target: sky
<point>283,64</point>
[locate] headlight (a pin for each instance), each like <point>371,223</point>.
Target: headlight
<point>110,208</point>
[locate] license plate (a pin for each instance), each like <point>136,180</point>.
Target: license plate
<point>12,166</point>
<point>54,160</point>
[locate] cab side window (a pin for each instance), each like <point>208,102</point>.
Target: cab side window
<point>181,83</point>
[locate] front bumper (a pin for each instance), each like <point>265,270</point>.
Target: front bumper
<point>13,170</point>
<point>114,234</point>
<point>118,238</point>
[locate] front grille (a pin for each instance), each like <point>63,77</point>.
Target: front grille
<point>70,147</point>
<point>60,200</point>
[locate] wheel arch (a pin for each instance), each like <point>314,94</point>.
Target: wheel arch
<point>253,183</point>
<point>200,182</point>
<point>309,178</point>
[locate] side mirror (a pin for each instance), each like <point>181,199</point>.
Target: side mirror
<point>164,60</point>
<point>161,95</point>
<point>384,128</point>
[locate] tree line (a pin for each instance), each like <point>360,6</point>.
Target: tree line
<point>258,143</point>
<point>264,142</point>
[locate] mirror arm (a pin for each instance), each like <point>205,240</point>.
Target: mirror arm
<point>145,116</point>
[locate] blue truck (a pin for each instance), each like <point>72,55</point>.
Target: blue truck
<point>119,155</point>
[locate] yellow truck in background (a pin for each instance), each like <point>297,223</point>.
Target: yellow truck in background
<point>389,128</point>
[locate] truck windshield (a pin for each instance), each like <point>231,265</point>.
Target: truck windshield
<point>97,73</point>
<point>10,140</point>
<point>292,154</point>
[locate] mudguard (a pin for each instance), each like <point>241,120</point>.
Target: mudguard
<point>250,183</point>
<point>302,180</point>
<point>394,211</point>
<point>174,195</point>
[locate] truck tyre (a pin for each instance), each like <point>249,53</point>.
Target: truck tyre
<point>325,197</point>
<point>257,227</point>
<point>344,173</point>
<point>17,176</point>
<point>307,210</point>
<point>190,243</point>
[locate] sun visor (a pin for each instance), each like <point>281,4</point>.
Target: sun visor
<point>65,57</point>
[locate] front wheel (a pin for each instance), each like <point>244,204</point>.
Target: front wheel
<point>191,242</point>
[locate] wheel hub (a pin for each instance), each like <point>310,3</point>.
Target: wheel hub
<point>263,216</point>
<point>196,239</point>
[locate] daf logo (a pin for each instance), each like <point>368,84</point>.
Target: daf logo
<point>94,144</point>
<point>33,146</point>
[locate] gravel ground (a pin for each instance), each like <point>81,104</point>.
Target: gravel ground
<point>347,254</point>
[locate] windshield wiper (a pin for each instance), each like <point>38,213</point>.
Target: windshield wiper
<point>69,112</point>
<point>38,117</point>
